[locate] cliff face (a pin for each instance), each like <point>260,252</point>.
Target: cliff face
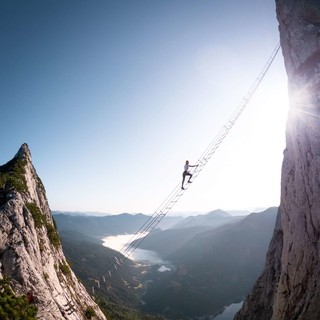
<point>31,256</point>
<point>289,287</point>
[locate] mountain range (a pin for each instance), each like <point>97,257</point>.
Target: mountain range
<point>213,269</point>
<point>98,226</point>
<point>212,261</point>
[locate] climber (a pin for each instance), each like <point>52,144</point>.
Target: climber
<point>187,173</point>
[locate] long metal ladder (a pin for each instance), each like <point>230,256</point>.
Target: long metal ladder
<point>177,192</point>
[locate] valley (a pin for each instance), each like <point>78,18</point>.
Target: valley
<point>191,269</point>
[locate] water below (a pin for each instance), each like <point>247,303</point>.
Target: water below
<point>229,312</point>
<point>139,255</point>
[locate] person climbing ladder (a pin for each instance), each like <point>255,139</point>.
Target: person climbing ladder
<point>187,173</point>
<point>176,194</point>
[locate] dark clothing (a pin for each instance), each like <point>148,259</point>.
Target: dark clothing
<point>184,175</point>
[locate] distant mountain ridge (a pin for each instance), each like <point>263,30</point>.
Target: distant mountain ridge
<point>99,226</point>
<point>212,219</point>
<point>166,242</point>
<point>213,259</point>
<point>214,268</point>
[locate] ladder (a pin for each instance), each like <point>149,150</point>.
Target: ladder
<point>177,192</point>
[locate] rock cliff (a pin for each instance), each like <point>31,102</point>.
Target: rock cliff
<point>289,287</point>
<point>31,257</point>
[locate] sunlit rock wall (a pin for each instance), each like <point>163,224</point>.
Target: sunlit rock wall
<point>31,256</point>
<point>289,287</point>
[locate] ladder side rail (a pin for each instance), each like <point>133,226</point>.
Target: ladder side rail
<point>140,229</point>
<point>157,219</point>
<point>151,218</point>
<point>137,236</point>
<point>131,247</point>
<point>169,202</point>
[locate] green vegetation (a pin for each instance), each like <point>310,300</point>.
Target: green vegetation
<point>40,184</point>
<point>12,174</point>
<point>12,307</point>
<point>89,313</point>
<point>3,179</point>
<point>65,269</point>
<point>53,235</point>
<point>89,262</point>
<point>39,220</point>
<point>116,312</point>
<point>45,276</point>
<point>36,214</point>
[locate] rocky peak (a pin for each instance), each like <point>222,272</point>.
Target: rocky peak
<point>289,287</point>
<point>31,257</point>
<point>24,153</point>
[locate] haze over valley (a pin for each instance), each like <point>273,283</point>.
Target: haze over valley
<point>120,101</point>
<point>193,268</point>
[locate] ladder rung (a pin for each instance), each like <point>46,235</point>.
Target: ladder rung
<point>174,197</point>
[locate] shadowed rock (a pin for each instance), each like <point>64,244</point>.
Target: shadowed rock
<point>289,287</point>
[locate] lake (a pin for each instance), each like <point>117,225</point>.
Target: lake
<point>229,312</point>
<point>139,255</point>
<point>151,257</point>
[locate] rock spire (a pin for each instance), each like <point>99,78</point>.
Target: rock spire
<point>289,287</point>
<point>31,257</point>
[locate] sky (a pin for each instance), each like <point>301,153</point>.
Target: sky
<point>114,96</point>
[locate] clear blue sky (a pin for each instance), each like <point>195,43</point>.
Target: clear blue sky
<point>113,96</point>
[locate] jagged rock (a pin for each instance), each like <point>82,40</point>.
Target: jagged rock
<point>289,287</point>
<point>30,252</point>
